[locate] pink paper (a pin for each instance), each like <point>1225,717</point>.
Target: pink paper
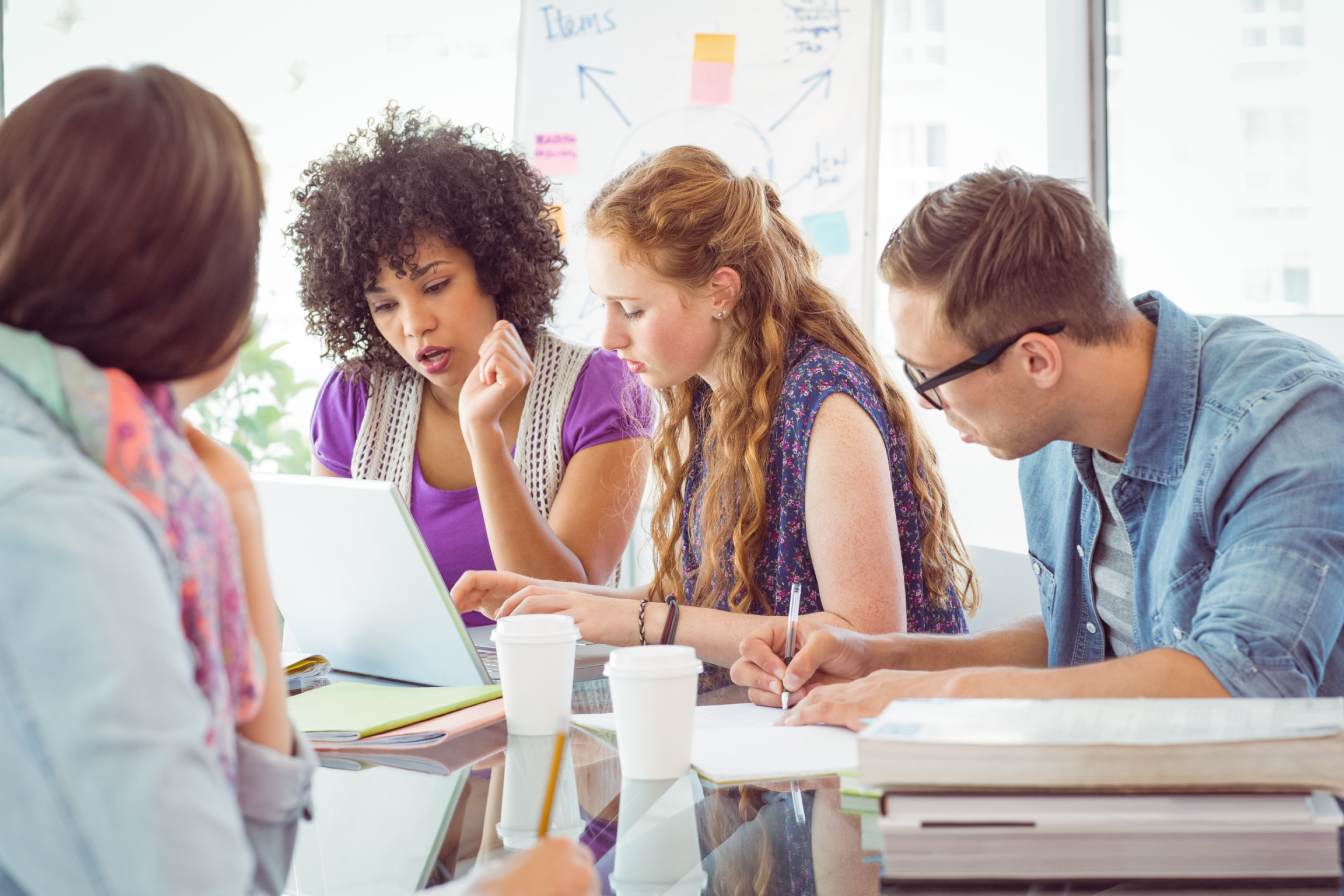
<point>711,83</point>
<point>556,155</point>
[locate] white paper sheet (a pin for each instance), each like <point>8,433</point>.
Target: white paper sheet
<point>726,715</point>
<point>739,742</point>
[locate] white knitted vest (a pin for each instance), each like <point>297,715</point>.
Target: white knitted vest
<point>385,447</point>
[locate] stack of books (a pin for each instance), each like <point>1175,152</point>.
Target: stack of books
<point>1107,789</point>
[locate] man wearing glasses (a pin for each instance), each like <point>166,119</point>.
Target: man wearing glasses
<point>1181,476</point>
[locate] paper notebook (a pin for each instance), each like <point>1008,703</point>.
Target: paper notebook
<point>347,711</point>
<point>422,734</point>
<point>738,743</point>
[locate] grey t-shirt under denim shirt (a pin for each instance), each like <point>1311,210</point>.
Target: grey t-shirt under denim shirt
<point>108,785</point>
<point>1113,563</point>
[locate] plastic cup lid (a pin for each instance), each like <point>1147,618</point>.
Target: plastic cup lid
<point>535,628</point>
<point>653,661</point>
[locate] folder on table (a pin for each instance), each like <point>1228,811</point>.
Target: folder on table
<point>347,711</point>
<point>426,733</point>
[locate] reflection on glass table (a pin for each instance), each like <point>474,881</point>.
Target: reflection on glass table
<point>476,801</point>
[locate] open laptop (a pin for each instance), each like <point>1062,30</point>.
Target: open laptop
<point>355,582</point>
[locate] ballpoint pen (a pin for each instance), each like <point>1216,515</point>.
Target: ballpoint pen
<point>795,593</point>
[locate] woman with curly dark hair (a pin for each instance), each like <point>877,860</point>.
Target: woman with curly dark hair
<point>429,265</point>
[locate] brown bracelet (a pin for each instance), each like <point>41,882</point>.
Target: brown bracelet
<point>670,626</point>
<point>643,604</point>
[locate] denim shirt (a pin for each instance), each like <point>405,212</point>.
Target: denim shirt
<point>1232,495</point>
<point>107,783</point>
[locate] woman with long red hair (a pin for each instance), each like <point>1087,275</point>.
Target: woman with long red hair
<point>785,455</point>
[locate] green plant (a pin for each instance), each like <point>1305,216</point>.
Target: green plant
<point>249,411</point>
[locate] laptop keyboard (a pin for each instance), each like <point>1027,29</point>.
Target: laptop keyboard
<point>490,660</point>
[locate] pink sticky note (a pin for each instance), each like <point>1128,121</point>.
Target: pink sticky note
<point>556,155</point>
<point>711,83</point>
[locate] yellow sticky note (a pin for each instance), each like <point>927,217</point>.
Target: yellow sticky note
<point>715,48</point>
<point>557,214</point>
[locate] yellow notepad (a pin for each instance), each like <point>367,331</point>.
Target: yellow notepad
<point>350,710</point>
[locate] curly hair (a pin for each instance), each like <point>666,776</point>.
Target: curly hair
<point>685,214</point>
<point>408,174</point>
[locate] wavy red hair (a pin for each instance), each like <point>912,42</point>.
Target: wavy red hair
<point>685,214</point>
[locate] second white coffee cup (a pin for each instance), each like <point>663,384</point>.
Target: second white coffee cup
<point>653,698</point>
<point>536,671</point>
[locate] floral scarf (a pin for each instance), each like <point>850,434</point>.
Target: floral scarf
<point>132,435</point>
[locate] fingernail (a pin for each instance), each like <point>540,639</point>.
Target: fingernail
<point>774,685</point>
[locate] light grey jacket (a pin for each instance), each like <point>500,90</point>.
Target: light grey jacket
<point>105,782</point>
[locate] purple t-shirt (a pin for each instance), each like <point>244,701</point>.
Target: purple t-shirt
<point>608,404</point>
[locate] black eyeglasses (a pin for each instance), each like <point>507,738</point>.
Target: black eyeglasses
<point>927,386</point>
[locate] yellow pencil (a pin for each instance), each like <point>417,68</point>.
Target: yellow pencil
<point>545,824</point>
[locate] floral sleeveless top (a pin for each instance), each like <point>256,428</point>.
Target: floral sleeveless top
<point>816,373</point>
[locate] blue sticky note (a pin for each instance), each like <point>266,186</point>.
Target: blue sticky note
<point>829,232</point>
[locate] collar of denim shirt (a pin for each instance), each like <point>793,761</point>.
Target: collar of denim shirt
<point>1161,440</point>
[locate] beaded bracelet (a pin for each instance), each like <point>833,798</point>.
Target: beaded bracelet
<point>670,627</point>
<point>643,604</point>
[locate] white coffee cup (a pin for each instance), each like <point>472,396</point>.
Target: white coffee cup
<point>536,671</point>
<point>653,698</point>
<point>658,838</point>
<point>527,773</point>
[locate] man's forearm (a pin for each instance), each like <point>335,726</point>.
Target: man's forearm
<point>1022,643</point>
<point>1154,673</point>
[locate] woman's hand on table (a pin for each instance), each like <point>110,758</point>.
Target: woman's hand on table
<point>485,590</point>
<point>601,620</point>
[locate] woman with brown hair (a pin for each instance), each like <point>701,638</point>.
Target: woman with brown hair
<point>785,457</point>
<point>144,739</point>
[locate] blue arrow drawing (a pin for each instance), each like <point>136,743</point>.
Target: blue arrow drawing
<point>815,81</point>
<point>586,73</point>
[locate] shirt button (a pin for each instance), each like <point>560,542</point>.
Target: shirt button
<point>1036,567</point>
<point>1091,628</point>
<point>1176,630</point>
<point>1080,552</point>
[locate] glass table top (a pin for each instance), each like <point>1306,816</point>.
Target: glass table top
<point>399,822</point>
